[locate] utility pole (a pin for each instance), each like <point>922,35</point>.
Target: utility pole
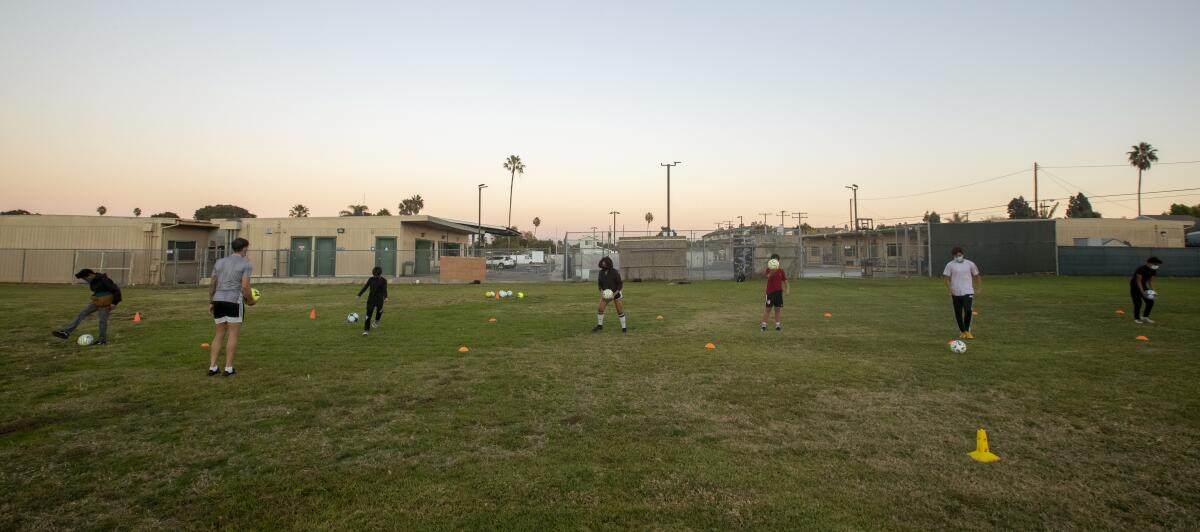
<point>764,215</point>
<point>614,231</point>
<point>740,221</point>
<point>594,232</point>
<point>782,215</point>
<point>669,232</point>
<point>479,222</point>
<point>1035,190</point>
<point>729,224</point>
<point>854,205</point>
<point>799,216</point>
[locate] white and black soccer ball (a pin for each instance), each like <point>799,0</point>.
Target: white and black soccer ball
<point>958,346</point>
<point>352,317</point>
<point>1151,294</point>
<point>607,294</point>
<point>86,339</point>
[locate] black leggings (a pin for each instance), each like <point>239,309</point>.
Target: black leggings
<point>377,307</point>
<point>962,311</point>
<point>1138,299</point>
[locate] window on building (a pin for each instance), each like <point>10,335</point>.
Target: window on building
<point>814,251</point>
<point>180,250</point>
<point>848,251</point>
<point>1081,242</point>
<point>895,250</point>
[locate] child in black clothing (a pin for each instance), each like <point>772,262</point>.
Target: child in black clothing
<point>609,279</point>
<point>375,299</point>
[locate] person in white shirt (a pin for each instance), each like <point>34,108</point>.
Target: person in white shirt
<point>961,277</point>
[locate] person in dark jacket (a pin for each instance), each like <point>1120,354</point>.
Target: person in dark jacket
<point>106,295</point>
<point>1141,289</point>
<point>375,299</point>
<point>609,279</point>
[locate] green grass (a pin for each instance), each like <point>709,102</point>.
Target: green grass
<point>861,421</point>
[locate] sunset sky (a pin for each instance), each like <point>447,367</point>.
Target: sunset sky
<point>770,106</point>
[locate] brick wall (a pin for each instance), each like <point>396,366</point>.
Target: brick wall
<point>463,269</point>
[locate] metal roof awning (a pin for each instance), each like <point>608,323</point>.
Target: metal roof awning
<point>495,230</point>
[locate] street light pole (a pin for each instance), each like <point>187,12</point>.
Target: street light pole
<point>854,205</point>
<point>479,221</point>
<point>614,229</point>
<point>669,232</point>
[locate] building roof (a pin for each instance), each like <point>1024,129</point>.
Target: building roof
<point>1189,219</point>
<point>496,230</point>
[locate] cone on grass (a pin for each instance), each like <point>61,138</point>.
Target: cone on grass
<point>659,317</point>
<point>1141,338</point>
<point>312,314</point>
<point>828,315</point>
<point>710,345</point>
<point>981,452</point>
<point>137,317</point>
<point>491,320</point>
<point>974,312</point>
<point>1120,312</point>
<point>463,349</point>
<point>204,345</point>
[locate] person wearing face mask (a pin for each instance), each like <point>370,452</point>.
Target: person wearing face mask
<point>961,275</point>
<point>1142,291</point>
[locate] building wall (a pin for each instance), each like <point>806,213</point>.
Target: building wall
<point>77,232</point>
<point>1139,233</point>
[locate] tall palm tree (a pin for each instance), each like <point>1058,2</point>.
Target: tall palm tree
<point>355,210</point>
<point>1141,157</point>
<point>514,166</point>
<point>649,218</point>
<point>536,222</point>
<point>102,210</point>
<point>298,211</point>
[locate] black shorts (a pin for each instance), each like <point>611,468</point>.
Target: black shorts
<point>775,299</point>
<point>226,312</point>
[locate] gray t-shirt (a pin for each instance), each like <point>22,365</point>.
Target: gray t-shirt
<point>229,272</point>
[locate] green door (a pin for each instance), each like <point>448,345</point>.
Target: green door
<point>300,258</point>
<point>424,257</point>
<point>326,256</point>
<point>385,255</point>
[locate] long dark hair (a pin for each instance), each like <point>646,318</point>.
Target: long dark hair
<point>606,263</point>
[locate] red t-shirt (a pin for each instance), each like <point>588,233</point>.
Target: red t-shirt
<point>775,279</point>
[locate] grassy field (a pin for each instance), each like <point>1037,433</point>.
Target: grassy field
<point>859,421</point>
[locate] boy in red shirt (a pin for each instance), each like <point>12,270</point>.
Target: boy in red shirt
<point>777,285</point>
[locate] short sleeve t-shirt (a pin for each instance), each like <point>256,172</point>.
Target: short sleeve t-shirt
<point>960,274</point>
<point>229,272</point>
<point>775,279</point>
<point>1146,272</point>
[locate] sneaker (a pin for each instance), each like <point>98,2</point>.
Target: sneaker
<point>624,330</point>
<point>229,372</point>
<point>778,327</point>
<point>101,342</point>
<point>212,372</point>
<point>61,334</point>
<point>597,328</point>
<point>366,333</point>
<point>763,328</point>
<point>968,336</point>
<point>962,336</point>
<point>1147,320</point>
<point>374,325</point>
<point>1138,320</point>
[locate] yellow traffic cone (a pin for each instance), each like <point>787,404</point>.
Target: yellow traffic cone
<point>981,452</point>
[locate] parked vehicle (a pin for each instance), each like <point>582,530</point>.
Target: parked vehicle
<point>501,262</point>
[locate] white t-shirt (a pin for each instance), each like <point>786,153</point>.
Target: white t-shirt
<point>960,274</point>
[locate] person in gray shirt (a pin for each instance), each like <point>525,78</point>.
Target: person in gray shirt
<point>229,292</point>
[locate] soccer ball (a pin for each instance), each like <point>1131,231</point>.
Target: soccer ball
<point>489,294</point>
<point>958,346</point>
<point>773,264</point>
<point>352,317</point>
<point>85,339</point>
<point>255,294</point>
<point>608,294</point>
<point>503,293</point>
<point>520,295</point>
<point>1151,294</point>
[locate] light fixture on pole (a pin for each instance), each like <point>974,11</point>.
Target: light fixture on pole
<point>669,165</point>
<point>614,227</point>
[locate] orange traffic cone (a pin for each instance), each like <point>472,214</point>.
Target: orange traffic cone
<point>710,345</point>
<point>204,345</point>
<point>828,315</point>
<point>659,317</point>
<point>1120,312</point>
<point>463,349</point>
<point>312,314</point>
<point>137,317</point>
<point>1142,339</point>
<point>491,320</point>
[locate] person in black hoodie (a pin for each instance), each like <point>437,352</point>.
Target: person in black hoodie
<point>609,279</point>
<point>106,295</point>
<point>375,299</point>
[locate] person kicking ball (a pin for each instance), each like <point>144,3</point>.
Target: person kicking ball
<point>610,284</point>
<point>961,275</point>
<point>377,296</point>
<point>105,297</point>
<point>777,286</point>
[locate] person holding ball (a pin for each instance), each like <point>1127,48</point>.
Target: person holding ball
<point>229,292</point>
<point>777,286</point>
<point>609,280</point>
<point>1141,289</point>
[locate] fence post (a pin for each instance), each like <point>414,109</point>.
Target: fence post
<point>23,252</point>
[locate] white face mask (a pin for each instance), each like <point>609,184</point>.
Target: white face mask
<point>1153,266</point>
<point>958,258</point>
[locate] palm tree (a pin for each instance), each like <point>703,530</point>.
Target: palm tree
<point>137,211</point>
<point>355,210</point>
<point>102,210</point>
<point>514,166</point>
<point>1142,155</point>
<point>536,222</point>
<point>298,211</point>
<point>649,218</point>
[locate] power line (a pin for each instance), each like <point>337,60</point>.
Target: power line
<point>979,210</point>
<point>980,182</point>
<point>1113,165</point>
